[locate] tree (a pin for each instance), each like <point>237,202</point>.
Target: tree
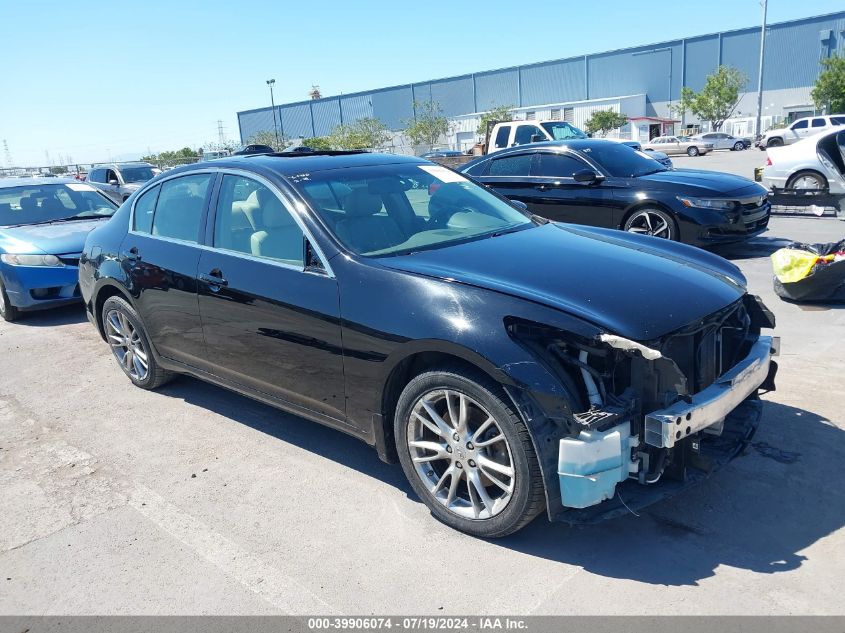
<point>499,113</point>
<point>366,133</point>
<point>58,170</point>
<point>318,142</point>
<point>268,137</point>
<point>428,124</point>
<point>173,157</point>
<point>718,99</point>
<point>603,121</point>
<point>829,90</point>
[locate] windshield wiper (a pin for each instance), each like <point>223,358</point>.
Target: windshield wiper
<point>69,219</point>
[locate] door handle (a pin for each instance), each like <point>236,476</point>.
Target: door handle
<point>542,187</point>
<point>214,279</point>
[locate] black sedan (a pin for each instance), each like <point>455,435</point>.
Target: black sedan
<point>509,364</point>
<point>607,184</point>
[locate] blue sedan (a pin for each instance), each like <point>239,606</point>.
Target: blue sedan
<point>43,225</point>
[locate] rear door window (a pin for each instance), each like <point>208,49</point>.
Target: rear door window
<point>818,123</point>
<point>180,207</point>
<point>519,165</point>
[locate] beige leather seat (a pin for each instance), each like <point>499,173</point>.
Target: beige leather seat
<point>364,231</point>
<point>280,238</point>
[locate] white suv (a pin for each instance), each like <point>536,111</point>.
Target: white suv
<point>802,128</point>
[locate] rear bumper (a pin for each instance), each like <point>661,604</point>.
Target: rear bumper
<point>41,287</point>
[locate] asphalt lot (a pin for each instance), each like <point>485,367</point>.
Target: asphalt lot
<point>194,500</point>
<point>739,163</point>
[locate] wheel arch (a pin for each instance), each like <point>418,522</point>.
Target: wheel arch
<point>646,204</point>
<point>806,170</point>
<point>105,290</point>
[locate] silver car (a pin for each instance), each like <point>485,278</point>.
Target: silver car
<point>721,140</point>
<point>817,162</point>
<point>120,180</point>
<point>673,145</point>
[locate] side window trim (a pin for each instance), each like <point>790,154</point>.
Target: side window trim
<point>289,204</point>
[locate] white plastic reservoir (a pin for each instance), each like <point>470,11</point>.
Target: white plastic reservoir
<point>590,466</point>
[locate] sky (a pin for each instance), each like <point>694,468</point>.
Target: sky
<point>94,82</point>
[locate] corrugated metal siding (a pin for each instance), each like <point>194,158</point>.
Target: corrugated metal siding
<point>702,59</point>
<point>636,70</point>
<point>296,120</point>
<point>453,95</point>
<point>326,115</point>
<point>357,107</point>
<point>251,123</point>
<point>394,106</point>
<point>497,88</point>
<point>742,50</point>
<point>553,82</point>
<point>422,92</point>
<point>793,53</point>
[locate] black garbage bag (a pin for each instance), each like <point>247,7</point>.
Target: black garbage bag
<point>825,281</point>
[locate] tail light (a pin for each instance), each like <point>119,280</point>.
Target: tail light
<point>768,161</point>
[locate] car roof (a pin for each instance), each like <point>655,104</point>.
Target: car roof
<point>293,163</point>
<point>8,183</point>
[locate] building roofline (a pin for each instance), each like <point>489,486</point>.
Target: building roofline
<point>834,14</point>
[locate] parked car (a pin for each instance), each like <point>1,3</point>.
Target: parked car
<point>817,162</point>
<point>660,157</point>
<point>254,149</point>
<point>602,183</point>
<point>800,129</point>
<point>673,145</point>
<point>43,225</point>
<point>513,133</point>
<point>721,140</point>
<point>493,354</point>
<point>120,180</point>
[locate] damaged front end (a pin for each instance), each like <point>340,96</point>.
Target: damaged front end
<point>667,411</point>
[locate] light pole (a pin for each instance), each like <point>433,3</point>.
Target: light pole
<point>271,83</point>
<point>665,49</point>
<point>763,4</point>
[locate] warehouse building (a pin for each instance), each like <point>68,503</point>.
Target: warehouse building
<point>642,82</point>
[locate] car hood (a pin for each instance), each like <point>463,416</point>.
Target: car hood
<point>53,239</point>
<point>701,182</point>
<point>635,286</point>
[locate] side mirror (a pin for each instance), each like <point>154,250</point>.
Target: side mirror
<point>537,138</point>
<point>519,204</point>
<point>113,182</point>
<point>586,176</point>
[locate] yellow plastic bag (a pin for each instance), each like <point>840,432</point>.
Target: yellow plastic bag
<point>792,265</point>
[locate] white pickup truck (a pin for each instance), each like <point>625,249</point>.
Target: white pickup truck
<point>513,133</point>
<point>800,129</point>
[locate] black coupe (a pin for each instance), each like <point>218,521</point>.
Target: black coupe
<point>510,364</point>
<point>608,184</point>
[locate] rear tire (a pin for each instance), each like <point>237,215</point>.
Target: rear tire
<point>692,151</point>
<point>807,179</point>
<point>488,491</point>
<point>7,310</point>
<point>128,340</point>
<point>775,142</point>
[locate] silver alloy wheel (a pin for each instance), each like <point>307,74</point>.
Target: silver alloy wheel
<point>808,181</point>
<point>127,345</point>
<point>461,454</point>
<point>648,222</point>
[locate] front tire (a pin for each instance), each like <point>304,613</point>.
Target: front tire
<point>692,151</point>
<point>128,340</point>
<point>652,221</point>
<point>774,142</point>
<point>7,310</point>
<point>739,146</point>
<point>467,454</point>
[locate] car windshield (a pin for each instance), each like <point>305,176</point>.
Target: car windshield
<point>622,161</point>
<point>402,208</point>
<point>137,174</point>
<point>562,131</point>
<point>31,204</point>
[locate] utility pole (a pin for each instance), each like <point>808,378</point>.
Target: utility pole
<point>7,153</point>
<point>220,134</point>
<point>271,83</point>
<point>763,3</point>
